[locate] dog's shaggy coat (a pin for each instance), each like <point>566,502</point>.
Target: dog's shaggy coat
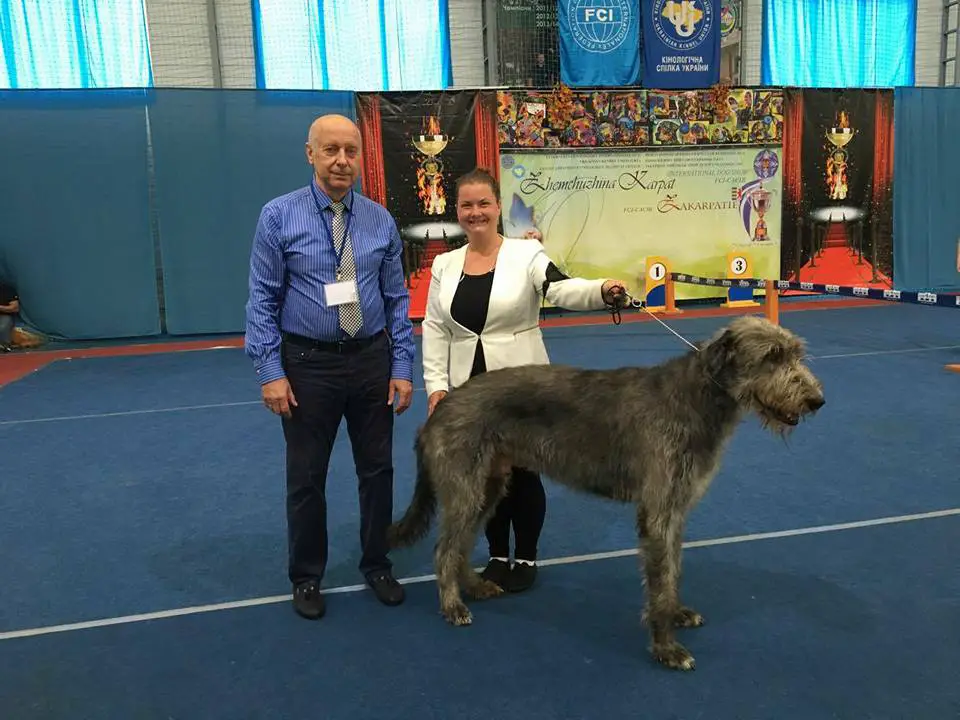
<point>650,436</point>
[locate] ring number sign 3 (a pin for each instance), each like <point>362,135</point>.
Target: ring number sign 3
<point>738,266</point>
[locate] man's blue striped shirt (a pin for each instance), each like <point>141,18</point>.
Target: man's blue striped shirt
<point>293,258</point>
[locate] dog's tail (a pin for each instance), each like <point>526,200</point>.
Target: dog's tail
<point>415,523</point>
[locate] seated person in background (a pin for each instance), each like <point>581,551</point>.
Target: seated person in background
<point>9,309</point>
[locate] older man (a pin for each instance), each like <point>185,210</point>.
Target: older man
<point>330,337</point>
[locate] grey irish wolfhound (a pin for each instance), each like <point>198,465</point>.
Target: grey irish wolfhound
<point>650,436</point>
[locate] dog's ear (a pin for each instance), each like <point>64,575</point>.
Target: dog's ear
<point>775,354</point>
<point>719,355</point>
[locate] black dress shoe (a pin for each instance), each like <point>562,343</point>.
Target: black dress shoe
<point>497,572</point>
<point>522,577</point>
<point>386,588</point>
<point>308,600</point>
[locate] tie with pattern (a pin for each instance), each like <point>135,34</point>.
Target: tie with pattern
<point>350,318</point>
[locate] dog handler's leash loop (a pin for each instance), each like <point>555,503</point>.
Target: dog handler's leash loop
<point>621,300</point>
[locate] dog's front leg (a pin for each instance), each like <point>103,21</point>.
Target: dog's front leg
<point>683,616</point>
<point>660,545</point>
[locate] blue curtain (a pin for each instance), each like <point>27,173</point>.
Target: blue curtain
<point>838,43</point>
<point>219,155</point>
<point>926,175</point>
<point>75,211</point>
<point>53,44</point>
<point>358,45</point>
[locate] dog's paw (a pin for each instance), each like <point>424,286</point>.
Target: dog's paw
<point>457,614</point>
<point>674,655</point>
<point>485,589</point>
<point>687,618</point>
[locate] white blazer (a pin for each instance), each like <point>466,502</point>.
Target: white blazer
<point>511,335</point>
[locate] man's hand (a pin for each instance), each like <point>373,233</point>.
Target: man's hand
<point>434,398</point>
<point>278,397</point>
<point>401,393</point>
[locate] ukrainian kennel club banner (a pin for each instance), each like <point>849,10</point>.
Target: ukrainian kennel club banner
<point>599,42</point>
<point>601,213</point>
<point>681,44</point>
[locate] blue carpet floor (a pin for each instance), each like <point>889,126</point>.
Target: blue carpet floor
<point>142,484</point>
<point>856,624</point>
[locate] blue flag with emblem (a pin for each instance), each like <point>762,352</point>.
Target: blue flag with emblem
<point>681,44</point>
<point>599,42</point>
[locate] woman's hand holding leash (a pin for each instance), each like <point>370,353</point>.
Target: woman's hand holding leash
<point>616,297</point>
<point>615,293</point>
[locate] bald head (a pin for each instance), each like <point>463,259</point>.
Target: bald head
<point>332,124</point>
<point>333,149</point>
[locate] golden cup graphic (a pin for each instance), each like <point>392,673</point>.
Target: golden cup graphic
<point>430,173</point>
<point>836,172</point>
<point>760,201</point>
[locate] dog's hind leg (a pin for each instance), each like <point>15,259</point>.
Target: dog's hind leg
<point>448,562</point>
<point>474,585</point>
<point>660,546</point>
<point>459,524</point>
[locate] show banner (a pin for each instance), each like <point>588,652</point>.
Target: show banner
<point>563,117</point>
<point>416,145</point>
<point>602,213</point>
<point>838,186</point>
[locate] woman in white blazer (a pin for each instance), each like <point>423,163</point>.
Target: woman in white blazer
<point>482,313</point>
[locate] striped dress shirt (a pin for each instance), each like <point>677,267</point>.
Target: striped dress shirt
<point>293,258</point>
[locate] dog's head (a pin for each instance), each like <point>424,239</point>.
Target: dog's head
<point>761,365</point>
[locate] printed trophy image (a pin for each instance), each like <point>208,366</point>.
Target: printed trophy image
<point>760,200</point>
<point>836,172</point>
<point>430,173</point>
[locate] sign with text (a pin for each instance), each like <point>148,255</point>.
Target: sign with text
<point>601,213</point>
<point>681,44</point>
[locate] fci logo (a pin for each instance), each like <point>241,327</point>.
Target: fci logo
<point>600,26</point>
<point>599,14</point>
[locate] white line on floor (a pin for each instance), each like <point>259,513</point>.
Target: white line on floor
<point>122,413</point>
<point>871,353</point>
<point>570,560</point>
<point>180,408</point>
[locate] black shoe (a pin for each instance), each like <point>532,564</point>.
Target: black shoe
<point>386,588</point>
<point>522,577</point>
<point>308,600</point>
<point>497,571</point>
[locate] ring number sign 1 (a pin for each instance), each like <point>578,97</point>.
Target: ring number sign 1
<point>657,271</point>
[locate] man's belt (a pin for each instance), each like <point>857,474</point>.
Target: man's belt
<point>347,345</point>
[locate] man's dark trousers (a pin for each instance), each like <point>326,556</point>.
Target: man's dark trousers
<point>330,382</point>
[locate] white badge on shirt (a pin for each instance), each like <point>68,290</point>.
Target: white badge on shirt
<point>341,293</point>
